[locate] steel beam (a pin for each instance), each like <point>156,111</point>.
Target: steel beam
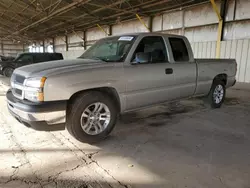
<point>55,13</point>
<point>85,40</point>
<point>2,48</point>
<point>43,46</point>
<point>100,27</point>
<point>110,30</point>
<point>223,10</point>
<point>220,27</point>
<point>142,22</point>
<point>66,43</point>
<point>53,44</point>
<point>82,16</point>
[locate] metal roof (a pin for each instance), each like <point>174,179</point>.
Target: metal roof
<point>37,19</point>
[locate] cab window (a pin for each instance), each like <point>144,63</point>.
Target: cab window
<point>179,49</point>
<point>26,58</point>
<point>152,48</point>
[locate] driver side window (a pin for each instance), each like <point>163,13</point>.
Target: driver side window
<point>152,47</point>
<point>26,58</point>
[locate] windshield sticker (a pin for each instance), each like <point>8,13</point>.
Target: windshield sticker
<point>125,38</point>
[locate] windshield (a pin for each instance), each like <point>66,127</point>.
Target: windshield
<point>112,49</point>
<point>17,57</point>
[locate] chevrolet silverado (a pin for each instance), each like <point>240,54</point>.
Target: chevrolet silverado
<point>116,75</point>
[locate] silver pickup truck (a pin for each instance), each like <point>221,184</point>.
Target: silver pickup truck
<point>115,75</point>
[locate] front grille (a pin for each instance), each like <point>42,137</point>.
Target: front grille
<point>18,91</point>
<point>15,81</point>
<point>19,79</point>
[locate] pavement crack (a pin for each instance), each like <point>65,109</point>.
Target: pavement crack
<point>90,156</point>
<point>106,171</point>
<point>54,177</point>
<point>81,159</point>
<point>21,156</point>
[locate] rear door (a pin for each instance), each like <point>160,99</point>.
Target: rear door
<point>149,83</point>
<point>184,67</point>
<point>41,57</point>
<point>56,56</point>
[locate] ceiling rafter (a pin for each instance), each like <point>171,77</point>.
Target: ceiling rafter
<point>57,12</point>
<point>93,22</point>
<point>55,6</point>
<point>47,18</point>
<point>82,16</point>
<point>22,11</point>
<point>13,1</point>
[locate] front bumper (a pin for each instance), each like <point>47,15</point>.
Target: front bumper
<point>46,116</point>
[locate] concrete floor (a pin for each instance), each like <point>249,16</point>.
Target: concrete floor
<point>186,146</point>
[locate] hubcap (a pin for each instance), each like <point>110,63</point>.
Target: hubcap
<point>95,118</point>
<point>218,94</point>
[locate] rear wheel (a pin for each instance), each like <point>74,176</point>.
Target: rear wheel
<point>91,117</point>
<point>217,94</point>
<point>8,72</point>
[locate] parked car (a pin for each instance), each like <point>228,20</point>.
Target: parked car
<point>6,58</point>
<point>116,75</point>
<point>7,67</point>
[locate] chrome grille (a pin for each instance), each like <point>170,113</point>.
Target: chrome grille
<point>18,91</point>
<point>17,81</point>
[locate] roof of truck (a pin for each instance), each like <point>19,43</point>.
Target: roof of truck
<point>40,53</point>
<point>147,34</point>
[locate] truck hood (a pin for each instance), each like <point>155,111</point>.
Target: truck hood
<point>58,67</point>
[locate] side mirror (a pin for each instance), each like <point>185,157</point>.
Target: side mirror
<point>142,57</point>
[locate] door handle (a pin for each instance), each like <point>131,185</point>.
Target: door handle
<point>169,71</point>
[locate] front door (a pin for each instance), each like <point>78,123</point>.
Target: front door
<point>150,82</point>
<point>24,59</point>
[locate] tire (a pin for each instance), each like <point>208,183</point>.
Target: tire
<point>8,71</point>
<point>214,100</point>
<point>77,110</point>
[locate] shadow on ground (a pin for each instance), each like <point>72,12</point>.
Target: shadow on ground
<point>181,145</point>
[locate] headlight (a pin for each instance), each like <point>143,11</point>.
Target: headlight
<point>34,89</point>
<point>35,82</point>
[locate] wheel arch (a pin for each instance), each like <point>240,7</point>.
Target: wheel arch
<point>221,77</point>
<point>109,91</point>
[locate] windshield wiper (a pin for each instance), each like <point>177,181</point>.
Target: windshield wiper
<point>98,58</point>
<point>95,58</point>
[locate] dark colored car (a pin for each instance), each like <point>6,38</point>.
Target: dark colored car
<point>6,58</point>
<point>7,67</point>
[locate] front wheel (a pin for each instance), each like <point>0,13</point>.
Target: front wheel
<point>8,72</point>
<point>91,117</point>
<point>217,94</point>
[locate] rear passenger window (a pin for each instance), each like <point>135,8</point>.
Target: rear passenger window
<point>179,49</point>
<point>41,57</point>
<point>55,56</point>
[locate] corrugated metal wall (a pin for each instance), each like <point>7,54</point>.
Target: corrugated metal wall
<point>236,49</point>
<point>199,24</point>
<point>10,48</point>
